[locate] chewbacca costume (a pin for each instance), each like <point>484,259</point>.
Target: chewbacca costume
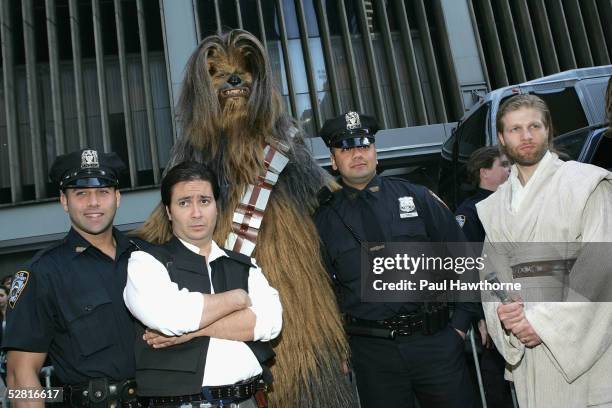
<point>229,111</point>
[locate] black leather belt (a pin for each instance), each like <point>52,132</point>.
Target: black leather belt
<point>226,393</point>
<point>100,392</point>
<point>543,268</point>
<point>426,322</point>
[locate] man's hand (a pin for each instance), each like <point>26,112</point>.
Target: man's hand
<point>526,334</point>
<point>241,297</point>
<point>158,340</point>
<point>484,334</point>
<point>513,318</point>
<point>460,333</point>
<point>511,314</point>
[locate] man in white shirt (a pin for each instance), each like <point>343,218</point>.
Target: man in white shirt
<point>213,306</point>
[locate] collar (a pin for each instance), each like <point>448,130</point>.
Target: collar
<point>215,251</point>
<point>514,180</point>
<point>370,189</point>
<point>483,192</point>
<point>78,244</point>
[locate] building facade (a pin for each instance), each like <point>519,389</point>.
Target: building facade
<point>106,74</point>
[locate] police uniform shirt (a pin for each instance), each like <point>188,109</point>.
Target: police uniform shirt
<point>68,303</point>
<point>160,305</point>
<point>406,212</point>
<point>467,216</point>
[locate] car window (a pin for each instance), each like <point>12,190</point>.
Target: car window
<point>472,132</point>
<point>566,110</point>
<point>571,145</point>
<point>603,154</point>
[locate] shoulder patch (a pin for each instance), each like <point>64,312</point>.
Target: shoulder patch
<point>460,218</point>
<point>19,283</point>
<point>437,198</point>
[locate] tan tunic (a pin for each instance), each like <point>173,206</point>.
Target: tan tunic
<point>569,204</point>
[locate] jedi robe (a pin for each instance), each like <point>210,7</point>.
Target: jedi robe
<point>568,205</point>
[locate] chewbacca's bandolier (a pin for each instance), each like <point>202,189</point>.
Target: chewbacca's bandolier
<point>232,119</point>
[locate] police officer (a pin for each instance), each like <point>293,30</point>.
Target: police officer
<point>487,169</point>
<point>426,360</point>
<point>67,303</point>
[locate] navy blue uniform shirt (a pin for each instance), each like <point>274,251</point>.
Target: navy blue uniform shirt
<point>467,216</point>
<point>69,303</point>
<point>341,251</point>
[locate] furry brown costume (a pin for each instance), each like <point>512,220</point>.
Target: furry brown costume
<point>229,109</point>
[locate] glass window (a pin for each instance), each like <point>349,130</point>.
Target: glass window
<point>471,133</point>
<point>571,145</point>
<point>603,154</point>
<point>566,110</point>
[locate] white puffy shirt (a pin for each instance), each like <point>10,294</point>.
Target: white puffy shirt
<point>160,305</point>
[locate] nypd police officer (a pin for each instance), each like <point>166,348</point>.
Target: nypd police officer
<point>399,350</point>
<point>67,303</point>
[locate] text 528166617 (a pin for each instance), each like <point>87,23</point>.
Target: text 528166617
<point>51,394</point>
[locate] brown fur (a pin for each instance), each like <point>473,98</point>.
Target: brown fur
<point>229,133</point>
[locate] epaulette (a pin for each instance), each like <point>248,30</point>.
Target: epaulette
<point>238,257</point>
<point>396,178</point>
<point>325,196</point>
<point>45,250</point>
<point>438,198</point>
<point>140,244</point>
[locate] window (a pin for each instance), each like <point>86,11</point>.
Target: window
<point>471,133</point>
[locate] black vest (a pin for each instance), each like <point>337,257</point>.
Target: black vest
<point>179,369</point>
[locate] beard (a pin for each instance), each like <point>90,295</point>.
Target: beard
<point>526,158</point>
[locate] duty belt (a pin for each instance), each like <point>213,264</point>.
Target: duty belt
<point>543,268</point>
<point>100,392</point>
<point>225,394</point>
<point>426,322</point>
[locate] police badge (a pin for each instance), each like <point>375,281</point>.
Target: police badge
<point>89,159</point>
<point>407,207</point>
<point>406,204</point>
<point>352,120</point>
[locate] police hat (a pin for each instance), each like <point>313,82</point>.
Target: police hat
<point>86,168</point>
<point>350,129</point>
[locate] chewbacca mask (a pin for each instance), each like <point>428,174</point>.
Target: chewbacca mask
<point>229,110</point>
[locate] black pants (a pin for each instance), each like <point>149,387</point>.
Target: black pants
<point>390,373</point>
<point>497,390</point>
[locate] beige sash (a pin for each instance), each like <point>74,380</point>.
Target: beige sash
<point>248,215</point>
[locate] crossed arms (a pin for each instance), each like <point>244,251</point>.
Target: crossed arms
<point>234,315</point>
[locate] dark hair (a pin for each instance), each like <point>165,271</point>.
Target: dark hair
<point>525,101</point>
<point>187,171</point>
<point>482,158</point>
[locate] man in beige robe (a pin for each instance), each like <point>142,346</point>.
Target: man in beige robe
<point>559,353</point>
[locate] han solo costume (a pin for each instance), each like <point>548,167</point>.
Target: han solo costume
<point>168,290</point>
